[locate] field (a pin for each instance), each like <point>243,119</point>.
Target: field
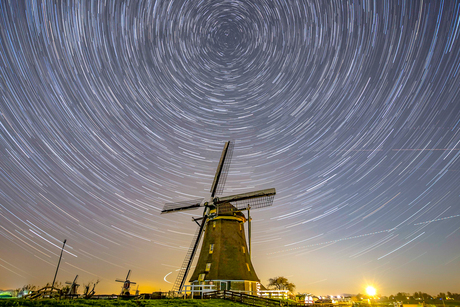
<point>117,303</point>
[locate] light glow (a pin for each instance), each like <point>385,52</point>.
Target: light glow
<point>371,291</point>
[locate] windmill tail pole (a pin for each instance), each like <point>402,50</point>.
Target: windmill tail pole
<point>55,274</point>
<point>249,229</point>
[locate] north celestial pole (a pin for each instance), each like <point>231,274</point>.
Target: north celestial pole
<point>350,109</point>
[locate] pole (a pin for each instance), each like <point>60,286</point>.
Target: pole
<point>55,274</point>
<point>249,229</point>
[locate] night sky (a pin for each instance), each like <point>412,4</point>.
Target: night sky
<point>350,109</point>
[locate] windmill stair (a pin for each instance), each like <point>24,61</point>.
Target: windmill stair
<point>178,283</point>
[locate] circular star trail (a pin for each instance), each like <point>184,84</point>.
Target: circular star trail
<point>350,109</point>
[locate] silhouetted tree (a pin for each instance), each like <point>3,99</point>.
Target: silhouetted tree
<point>426,296</point>
<point>281,283</point>
<point>441,295</point>
<point>300,296</point>
<point>65,289</point>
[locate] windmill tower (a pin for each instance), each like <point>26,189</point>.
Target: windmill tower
<point>126,285</point>
<point>225,259</point>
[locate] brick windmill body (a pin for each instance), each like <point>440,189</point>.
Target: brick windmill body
<point>224,259</point>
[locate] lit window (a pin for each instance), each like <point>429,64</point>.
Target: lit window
<point>247,265</point>
<point>243,249</point>
<point>213,224</point>
<point>208,266</point>
<point>211,248</point>
<point>241,227</point>
<point>201,277</point>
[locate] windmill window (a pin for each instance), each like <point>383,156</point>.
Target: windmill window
<point>211,248</point>
<point>208,267</point>
<point>213,224</point>
<point>243,249</point>
<point>247,265</point>
<point>241,227</point>
<point>201,277</point>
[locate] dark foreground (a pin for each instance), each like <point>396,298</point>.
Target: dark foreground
<point>116,303</point>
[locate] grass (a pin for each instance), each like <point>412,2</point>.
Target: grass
<point>117,303</point>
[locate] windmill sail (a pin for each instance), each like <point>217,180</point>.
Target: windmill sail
<point>222,169</point>
<point>254,203</point>
<point>254,200</point>
<point>185,268</point>
<point>245,196</point>
<point>182,205</point>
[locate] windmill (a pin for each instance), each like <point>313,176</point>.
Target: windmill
<point>224,257</point>
<point>73,287</point>
<point>126,285</point>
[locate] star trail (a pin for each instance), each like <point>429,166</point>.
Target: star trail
<point>350,109</point>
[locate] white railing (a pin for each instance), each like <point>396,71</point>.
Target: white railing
<point>195,290</point>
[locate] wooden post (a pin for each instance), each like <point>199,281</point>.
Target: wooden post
<point>55,274</point>
<point>249,229</point>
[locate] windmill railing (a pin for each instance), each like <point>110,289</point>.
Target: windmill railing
<point>249,299</point>
<point>196,290</point>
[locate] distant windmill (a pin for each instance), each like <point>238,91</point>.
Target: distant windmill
<point>126,285</point>
<point>73,287</point>
<point>224,257</point>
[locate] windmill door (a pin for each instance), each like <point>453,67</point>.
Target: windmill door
<point>225,285</point>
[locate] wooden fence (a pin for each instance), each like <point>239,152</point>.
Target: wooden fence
<point>247,299</point>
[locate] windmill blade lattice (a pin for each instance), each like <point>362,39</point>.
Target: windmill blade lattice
<point>222,169</point>
<point>256,199</point>
<point>182,205</point>
<point>225,168</point>
<point>254,203</point>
